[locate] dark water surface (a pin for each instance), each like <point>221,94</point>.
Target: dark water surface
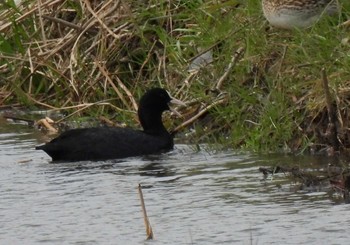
<point>191,198</point>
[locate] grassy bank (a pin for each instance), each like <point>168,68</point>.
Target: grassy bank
<point>97,58</point>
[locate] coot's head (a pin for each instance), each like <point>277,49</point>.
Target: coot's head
<point>152,104</point>
<point>155,99</point>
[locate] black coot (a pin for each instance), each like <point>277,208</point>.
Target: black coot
<point>102,143</point>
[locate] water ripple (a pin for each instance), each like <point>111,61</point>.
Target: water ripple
<point>191,198</point>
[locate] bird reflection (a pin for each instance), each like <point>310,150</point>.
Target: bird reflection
<point>155,169</point>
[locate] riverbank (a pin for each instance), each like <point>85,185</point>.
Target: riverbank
<point>256,88</point>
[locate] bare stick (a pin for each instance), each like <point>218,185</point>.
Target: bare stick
<point>99,18</point>
<point>64,22</point>
<point>29,121</point>
<point>345,24</point>
<point>200,113</point>
<point>82,107</point>
<point>41,22</point>
<point>149,231</point>
<point>236,56</point>
<point>104,71</point>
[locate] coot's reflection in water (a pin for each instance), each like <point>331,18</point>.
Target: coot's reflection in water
<point>156,169</point>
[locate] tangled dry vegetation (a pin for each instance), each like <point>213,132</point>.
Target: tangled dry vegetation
<point>260,88</point>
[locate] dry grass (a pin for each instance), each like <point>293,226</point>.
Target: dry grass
<point>98,57</point>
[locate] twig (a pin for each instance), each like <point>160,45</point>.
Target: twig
<point>149,231</point>
<point>236,56</point>
<point>121,85</point>
<point>150,53</point>
<point>200,113</point>
<point>186,82</point>
<point>40,103</point>
<point>99,18</point>
<point>40,15</point>
<point>85,106</point>
<point>66,23</point>
<point>346,23</point>
<point>30,59</point>
<point>29,121</point>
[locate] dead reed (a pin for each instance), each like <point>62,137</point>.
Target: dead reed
<point>149,231</point>
<point>247,86</point>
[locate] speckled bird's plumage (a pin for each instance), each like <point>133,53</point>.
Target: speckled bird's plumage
<point>290,14</point>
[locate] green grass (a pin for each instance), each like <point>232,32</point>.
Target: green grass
<point>276,100</point>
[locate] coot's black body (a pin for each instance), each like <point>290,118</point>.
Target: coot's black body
<point>104,143</point>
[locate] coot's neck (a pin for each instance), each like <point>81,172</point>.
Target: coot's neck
<point>151,122</point>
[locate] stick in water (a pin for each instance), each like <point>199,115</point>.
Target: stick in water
<point>149,231</point>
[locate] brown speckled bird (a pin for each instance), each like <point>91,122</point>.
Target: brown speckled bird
<point>289,14</point>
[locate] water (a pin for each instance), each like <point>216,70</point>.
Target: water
<point>191,198</point>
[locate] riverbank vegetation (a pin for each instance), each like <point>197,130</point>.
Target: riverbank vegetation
<point>247,86</point>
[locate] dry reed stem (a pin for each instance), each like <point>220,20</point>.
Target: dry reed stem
<point>120,83</point>
<point>345,24</point>
<point>145,61</point>
<point>199,114</point>
<point>99,19</point>
<point>235,58</point>
<point>84,107</point>
<point>186,82</point>
<point>30,60</point>
<point>40,15</point>
<point>48,56</point>
<point>41,103</point>
<point>66,23</point>
<point>149,231</point>
<point>28,14</point>
<point>126,90</point>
